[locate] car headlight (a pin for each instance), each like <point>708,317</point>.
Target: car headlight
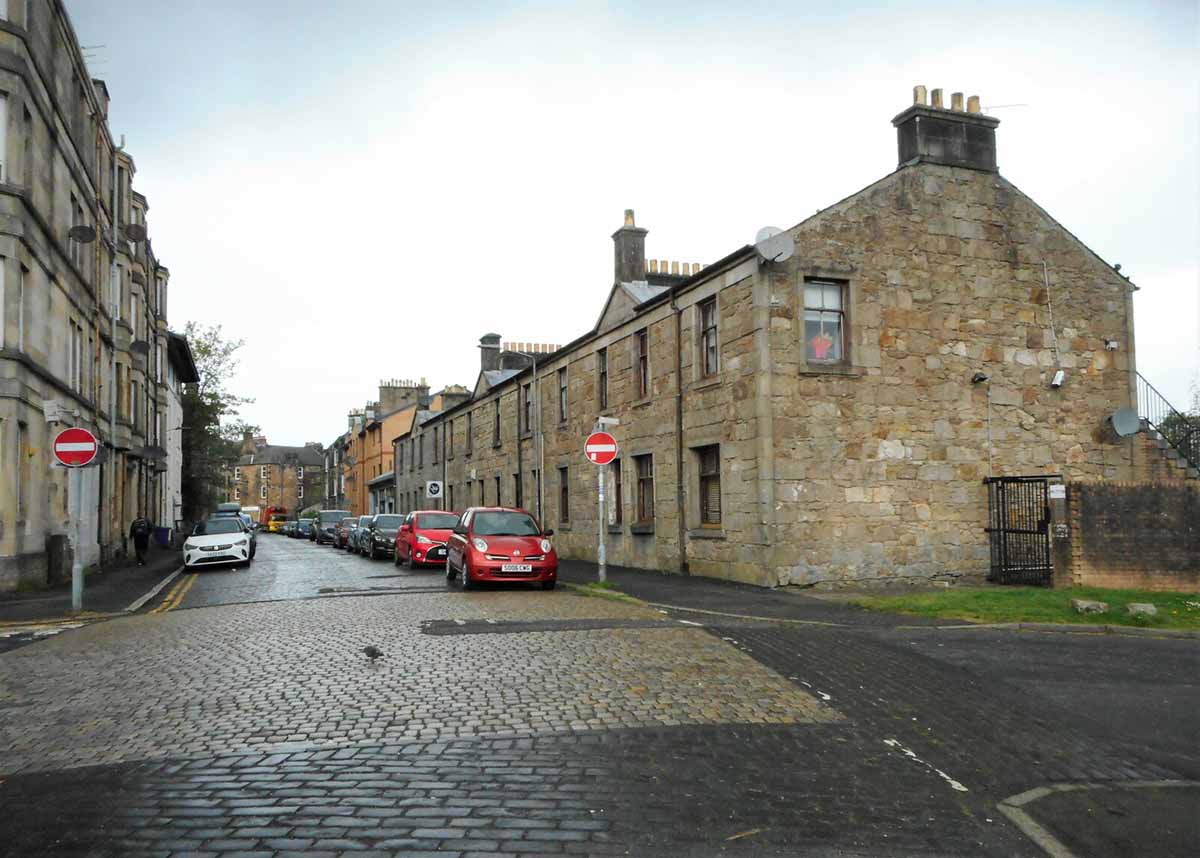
<point>479,544</point>
<point>546,546</point>
<point>245,541</point>
<point>189,546</point>
<point>425,540</point>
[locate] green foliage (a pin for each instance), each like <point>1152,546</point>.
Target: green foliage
<point>1042,605</point>
<point>211,433</point>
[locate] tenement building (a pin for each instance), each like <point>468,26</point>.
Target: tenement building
<point>289,479</point>
<point>83,312</point>
<point>824,406</point>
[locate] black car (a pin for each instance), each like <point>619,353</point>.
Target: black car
<point>380,541</point>
<point>327,525</point>
<point>304,528</point>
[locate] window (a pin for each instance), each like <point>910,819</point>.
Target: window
<point>450,441</point>
<point>824,320</point>
<point>435,445</point>
<point>3,263</point>
<point>562,395</point>
<point>420,451</point>
<point>708,337</point>
<point>237,493</point>
<point>450,496</point>
<point>262,472</point>
<point>614,493</point>
<point>262,491</point>
<point>710,485</point>
<point>412,454</point>
<point>496,422</point>
<point>642,344</point>
<point>602,379</point>
<point>22,470</point>
<point>470,431</point>
<point>564,496</point>
<point>645,488</point>
<point>399,456</point>
<point>499,499</point>
<point>518,494</point>
<point>527,408</point>
<point>300,491</point>
<point>3,137</point>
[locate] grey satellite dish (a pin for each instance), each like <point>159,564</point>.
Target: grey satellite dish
<point>83,234</point>
<point>1125,422</point>
<point>135,232</point>
<point>773,244</point>
<point>139,347</point>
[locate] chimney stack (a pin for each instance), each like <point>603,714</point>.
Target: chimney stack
<point>489,352</point>
<point>954,137</point>
<point>629,248</point>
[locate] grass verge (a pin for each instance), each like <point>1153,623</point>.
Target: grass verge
<point>1041,605</point>
<point>602,590</point>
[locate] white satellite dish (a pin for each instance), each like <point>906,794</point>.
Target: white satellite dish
<point>772,244</point>
<point>1126,422</point>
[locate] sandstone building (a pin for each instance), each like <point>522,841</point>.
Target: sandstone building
<point>824,417</point>
<point>291,478</point>
<point>83,317</point>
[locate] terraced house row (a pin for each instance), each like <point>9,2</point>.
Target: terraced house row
<point>821,407</point>
<point>83,312</point>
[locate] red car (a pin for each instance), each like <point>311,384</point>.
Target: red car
<point>422,537</point>
<point>500,544</point>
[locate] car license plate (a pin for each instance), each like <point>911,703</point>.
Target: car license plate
<point>516,567</point>
<point>437,554</point>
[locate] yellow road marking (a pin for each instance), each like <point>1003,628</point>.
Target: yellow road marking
<point>175,597</point>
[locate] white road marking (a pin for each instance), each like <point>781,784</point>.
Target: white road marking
<point>137,604</point>
<point>690,623</point>
<point>893,743</point>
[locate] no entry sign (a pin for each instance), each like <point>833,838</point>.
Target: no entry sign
<point>600,448</point>
<point>75,447</point>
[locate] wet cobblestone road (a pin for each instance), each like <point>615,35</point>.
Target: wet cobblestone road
<point>242,719</point>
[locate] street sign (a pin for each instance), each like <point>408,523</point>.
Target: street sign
<point>433,489</point>
<point>600,448</point>
<point>75,447</point>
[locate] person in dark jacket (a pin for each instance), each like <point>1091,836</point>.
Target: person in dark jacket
<point>140,532</point>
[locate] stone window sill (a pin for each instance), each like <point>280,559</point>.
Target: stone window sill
<point>642,529</point>
<point>706,533</point>
<point>641,403</point>
<point>563,526</point>
<point>526,435</point>
<point>832,369</point>
<point>706,382</point>
<point>615,528</point>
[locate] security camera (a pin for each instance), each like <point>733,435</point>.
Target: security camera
<point>1059,378</point>
<point>1111,345</point>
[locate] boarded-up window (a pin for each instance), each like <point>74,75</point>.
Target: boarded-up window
<point>710,485</point>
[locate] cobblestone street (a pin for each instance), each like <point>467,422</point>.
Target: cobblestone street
<point>237,715</point>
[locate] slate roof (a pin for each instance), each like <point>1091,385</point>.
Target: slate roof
<point>274,454</point>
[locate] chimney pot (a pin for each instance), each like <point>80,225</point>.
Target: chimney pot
<point>653,266</point>
<point>954,138</point>
<point>937,99</point>
<point>674,267</point>
<point>629,217</point>
<point>956,101</point>
<point>973,104</point>
<point>919,95</point>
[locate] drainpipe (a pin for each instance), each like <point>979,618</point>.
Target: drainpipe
<point>679,498</point>
<point>114,291</point>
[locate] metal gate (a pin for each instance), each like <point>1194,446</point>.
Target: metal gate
<point>1019,529</point>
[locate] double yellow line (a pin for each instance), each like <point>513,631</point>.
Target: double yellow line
<point>175,597</point>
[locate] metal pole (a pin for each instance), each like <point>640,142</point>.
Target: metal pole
<point>73,486</point>
<point>114,294</point>
<point>989,427</point>
<point>603,571</point>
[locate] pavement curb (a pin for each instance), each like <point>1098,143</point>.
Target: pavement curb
<point>1013,808</point>
<point>1071,629</point>
<point>137,604</point>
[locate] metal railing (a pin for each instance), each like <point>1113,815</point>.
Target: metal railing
<point>1181,431</point>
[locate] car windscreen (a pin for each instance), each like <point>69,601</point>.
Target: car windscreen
<point>332,516</point>
<point>349,521</point>
<point>436,521</point>
<point>504,524</point>
<point>218,525</point>
<point>364,520</point>
<point>388,520</point>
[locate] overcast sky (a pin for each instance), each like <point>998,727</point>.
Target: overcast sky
<point>361,189</point>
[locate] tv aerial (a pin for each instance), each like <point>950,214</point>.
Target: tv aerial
<point>772,244</point>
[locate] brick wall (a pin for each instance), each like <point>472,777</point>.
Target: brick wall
<point>1123,534</point>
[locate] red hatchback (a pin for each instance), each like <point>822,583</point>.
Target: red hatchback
<point>422,537</point>
<point>500,544</point>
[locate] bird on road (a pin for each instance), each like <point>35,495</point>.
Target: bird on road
<point>372,652</point>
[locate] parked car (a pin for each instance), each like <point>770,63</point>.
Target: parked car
<point>358,545</point>
<point>303,529</point>
<point>422,537</point>
<point>286,528</point>
<point>234,510</point>
<point>327,525</point>
<point>500,544</point>
<point>381,540</point>
<point>276,522</point>
<point>217,541</point>
<point>344,527</point>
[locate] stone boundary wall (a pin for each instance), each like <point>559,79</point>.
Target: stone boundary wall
<point>1128,534</point>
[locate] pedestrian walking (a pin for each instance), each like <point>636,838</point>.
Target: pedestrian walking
<point>140,531</point>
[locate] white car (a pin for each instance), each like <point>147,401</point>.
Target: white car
<point>216,541</point>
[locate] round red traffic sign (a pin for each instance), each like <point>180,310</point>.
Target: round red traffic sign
<point>600,448</point>
<point>75,447</point>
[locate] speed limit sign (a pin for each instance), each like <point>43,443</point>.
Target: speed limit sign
<point>433,489</point>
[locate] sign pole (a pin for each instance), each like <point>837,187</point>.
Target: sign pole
<point>74,486</point>
<point>603,571</point>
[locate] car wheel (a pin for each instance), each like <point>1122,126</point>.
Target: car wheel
<point>464,580</point>
<point>449,571</point>
<point>396,558</point>
<point>548,585</point>
<point>411,563</point>
<point>374,552</point>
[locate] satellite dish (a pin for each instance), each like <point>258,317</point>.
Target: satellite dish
<point>1126,422</point>
<point>773,244</point>
<point>83,233</point>
<point>135,232</point>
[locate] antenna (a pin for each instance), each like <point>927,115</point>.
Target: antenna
<point>773,244</point>
<point>1126,422</point>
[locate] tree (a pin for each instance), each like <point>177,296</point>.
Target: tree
<point>211,437</point>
